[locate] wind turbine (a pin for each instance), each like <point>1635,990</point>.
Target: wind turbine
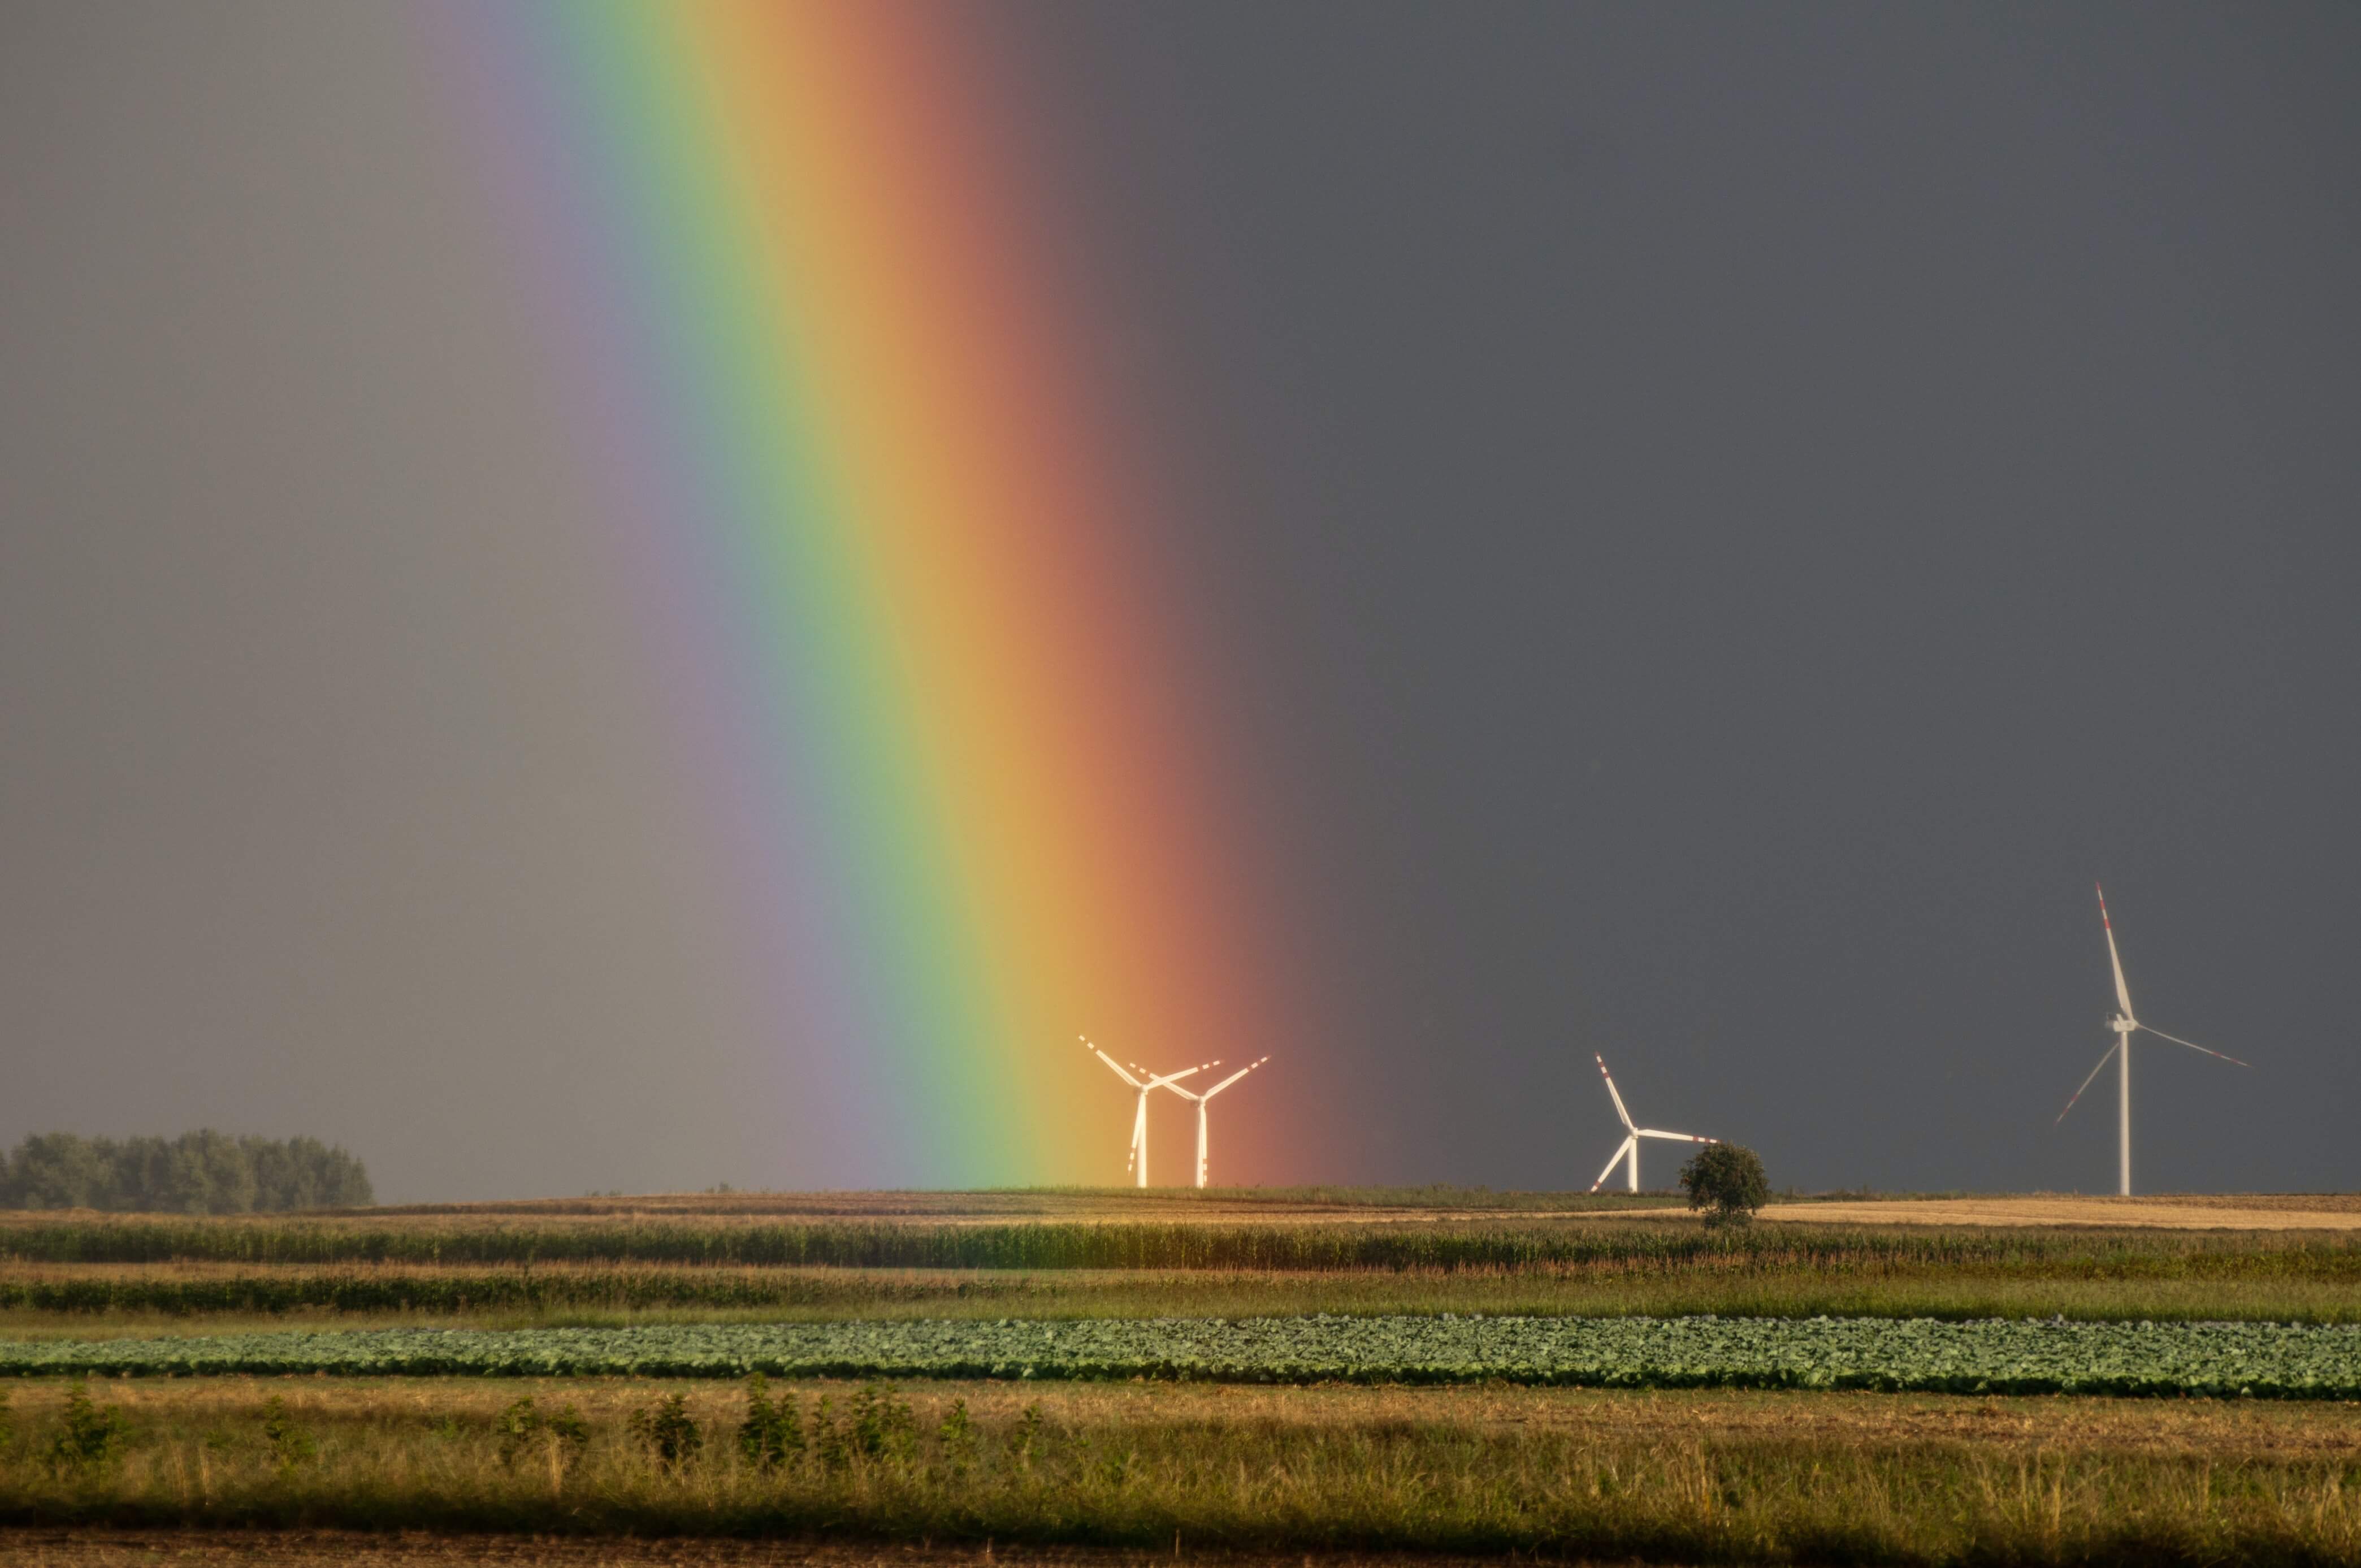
<point>1628,1151</point>
<point>1146,1083</point>
<point>2126,1025</point>
<point>1200,1100</point>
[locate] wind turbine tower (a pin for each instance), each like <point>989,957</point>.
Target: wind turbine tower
<point>1200,1100</point>
<point>2125,1026</point>
<point>1148,1083</point>
<point>1628,1152</point>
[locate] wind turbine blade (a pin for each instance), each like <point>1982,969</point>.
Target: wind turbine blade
<point>2123,992</point>
<point>1111,1062</point>
<point>1225,1082</point>
<point>1165,1081</point>
<point>1626,1115</point>
<point>1671,1137</point>
<point>2195,1047</point>
<point>1620,1150</point>
<point>2094,1072</point>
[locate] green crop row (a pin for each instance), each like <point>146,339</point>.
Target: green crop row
<point>1990,1357</point>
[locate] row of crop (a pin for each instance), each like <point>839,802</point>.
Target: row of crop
<point>1988,1356</point>
<point>1507,1246</point>
<point>418,1290</point>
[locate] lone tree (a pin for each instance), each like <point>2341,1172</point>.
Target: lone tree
<point>1727,1179</point>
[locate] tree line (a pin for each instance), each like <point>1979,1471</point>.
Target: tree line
<point>202,1172</point>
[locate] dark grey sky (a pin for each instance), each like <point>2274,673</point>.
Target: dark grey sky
<point>1730,517</point>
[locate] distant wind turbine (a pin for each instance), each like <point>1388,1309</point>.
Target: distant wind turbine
<point>1200,1100</point>
<point>2126,1025</point>
<point>1148,1083</point>
<point>1628,1152</point>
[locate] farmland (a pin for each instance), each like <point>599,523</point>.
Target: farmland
<point>746,1257</point>
<point>1432,1372</point>
<point>1711,1476</point>
<point>2269,1361</point>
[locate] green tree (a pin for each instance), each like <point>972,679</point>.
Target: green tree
<point>59,1171</point>
<point>1727,1180</point>
<point>203,1172</point>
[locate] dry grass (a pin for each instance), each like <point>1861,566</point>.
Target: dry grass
<point>1283,1206</point>
<point>1122,1205</point>
<point>2220,1211</point>
<point>338,1549</point>
<point>214,1297</point>
<point>1708,1476</point>
<point>2228,1430</point>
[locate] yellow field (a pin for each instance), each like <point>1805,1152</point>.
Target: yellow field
<point>2229,1211</point>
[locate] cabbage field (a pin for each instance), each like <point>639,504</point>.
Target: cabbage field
<point>1994,1356</point>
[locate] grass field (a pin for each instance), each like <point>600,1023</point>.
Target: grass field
<point>1112,1473</point>
<point>1694,1478</point>
<point>505,1269</point>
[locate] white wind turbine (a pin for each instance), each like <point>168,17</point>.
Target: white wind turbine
<point>1146,1083</point>
<point>2126,1025</point>
<point>1200,1100</point>
<point>1628,1151</point>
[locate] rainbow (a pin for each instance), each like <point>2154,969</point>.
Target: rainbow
<point>900,562</point>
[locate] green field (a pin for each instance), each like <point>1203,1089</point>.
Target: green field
<point>2212,1360</point>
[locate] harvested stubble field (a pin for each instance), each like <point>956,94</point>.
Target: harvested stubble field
<point>1692,1476</point>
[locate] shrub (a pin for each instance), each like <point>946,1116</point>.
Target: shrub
<point>290,1444</point>
<point>667,1431</point>
<point>89,1439</point>
<point>567,1428</point>
<point>1727,1179</point>
<point>522,1426</point>
<point>957,1436</point>
<point>883,1425</point>
<point>772,1432</point>
<point>1026,1439</point>
<point>516,1428</point>
<point>829,1438</point>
